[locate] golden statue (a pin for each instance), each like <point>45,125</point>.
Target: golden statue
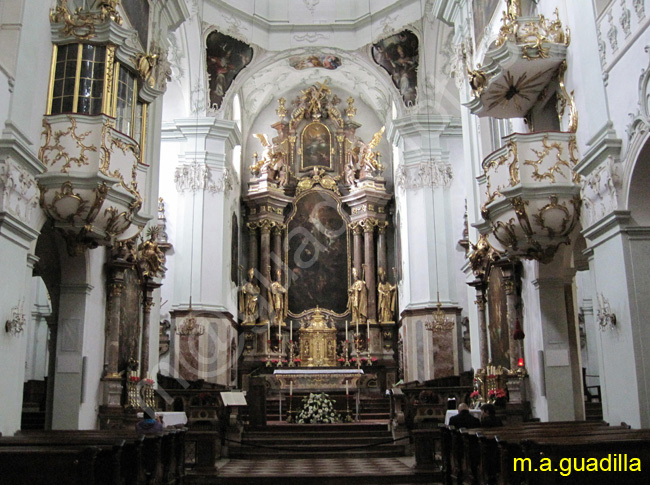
<point>368,158</point>
<point>277,294</point>
<point>150,255</point>
<point>271,161</point>
<point>386,304</point>
<point>248,298</point>
<point>358,299</point>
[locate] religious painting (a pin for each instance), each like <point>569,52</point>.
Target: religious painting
<point>483,10</point>
<point>226,57</point>
<point>138,13</point>
<point>316,143</point>
<point>317,254</point>
<point>498,320</point>
<point>398,55</point>
<point>326,61</point>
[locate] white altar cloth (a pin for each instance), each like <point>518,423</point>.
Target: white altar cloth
<point>351,370</point>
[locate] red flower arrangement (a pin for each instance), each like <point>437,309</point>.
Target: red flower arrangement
<point>341,359</point>
<point>297,360</point>
<point>374,359</point>
<point>474,395</point>
<point>149,381</point>
<point>497,393</point>
<point>134,378</point>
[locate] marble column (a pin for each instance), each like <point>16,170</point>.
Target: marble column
<point>511,313</point>
<point>381,248</point>
<point>481,300</point>
<point>369,252</point>
<point>358,247</point>
<point>147,304</point>
<point>112,380</point>
<point>252,246</point>
<point>276,260</point>
<point>265,267</point>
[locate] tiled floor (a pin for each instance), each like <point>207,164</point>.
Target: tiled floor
<point>316,470</point>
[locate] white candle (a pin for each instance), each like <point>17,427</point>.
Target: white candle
<point>268,336</point>
<point>291,331</point>
<point>291,388</point>
<point>346,331</point>
<point>368,333</point>
<point>346,388</point>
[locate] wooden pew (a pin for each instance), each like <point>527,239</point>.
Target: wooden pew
<point>633,443</point>
<point>46,465</point>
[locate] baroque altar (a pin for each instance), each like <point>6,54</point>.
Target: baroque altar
<point>318,221</point>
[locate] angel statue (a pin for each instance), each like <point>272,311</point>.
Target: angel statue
<point>271,161</point>
<point>370,166</point>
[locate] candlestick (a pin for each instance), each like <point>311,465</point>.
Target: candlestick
<point>346,331</point>
<point>347,390</point>
<point>291,331</point>
<point>290,388</point>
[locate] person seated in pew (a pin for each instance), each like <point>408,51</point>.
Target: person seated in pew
<point>149,424</point>
<point>464,419</point>
<point>489,419</point>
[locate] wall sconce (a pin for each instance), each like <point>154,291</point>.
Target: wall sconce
<point>17,322</point>
<point>604,314</point>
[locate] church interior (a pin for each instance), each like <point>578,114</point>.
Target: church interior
<point>300,233</point>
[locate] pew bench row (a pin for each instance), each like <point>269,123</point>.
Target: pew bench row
<point>108,457</point>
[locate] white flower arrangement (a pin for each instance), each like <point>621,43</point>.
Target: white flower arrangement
<point>318,408</point>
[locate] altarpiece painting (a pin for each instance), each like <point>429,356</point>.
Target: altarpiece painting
<point>317,254</point>
<point>316,143</point>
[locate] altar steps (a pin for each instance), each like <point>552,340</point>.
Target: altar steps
<point>370,409</point>
<point>354,440</point>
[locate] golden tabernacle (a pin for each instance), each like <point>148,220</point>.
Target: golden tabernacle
<point>317,341</point>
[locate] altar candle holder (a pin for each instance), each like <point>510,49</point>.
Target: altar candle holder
<point>347,354</point>
<point>268,353</point>
<point>291,363</point>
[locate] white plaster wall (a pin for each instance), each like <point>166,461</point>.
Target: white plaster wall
<point>37,333</point>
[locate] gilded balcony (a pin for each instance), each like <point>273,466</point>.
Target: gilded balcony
<point>91,186</point>
<point>523,60</point>
<point>530,194</point>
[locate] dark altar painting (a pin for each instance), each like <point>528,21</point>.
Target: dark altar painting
<point>498,320</point>
<point>130,312</point>
<point>138,13</point>
<point>483,11</point>
<point>326,61</point>
<point>225,58</point>
<point>398,54</point>
<point>317,254</point>
<point>316,142</point>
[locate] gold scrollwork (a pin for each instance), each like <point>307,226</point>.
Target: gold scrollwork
<point>67,193</point>
<point>321,178</point>
<point>565,99</point>
<point>505,233</point>
<point>541,156</point>
<point>511,158</point>
<point>81,24</point>
<point>478,81</point>
<point>519,205</point>
<point>56,146</point>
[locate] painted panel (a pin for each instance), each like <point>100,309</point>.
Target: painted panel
<point>498,320</point>
<point>317,254</point>
<point>226,57</point>
<point>398,55</point>
<point>316,144</point>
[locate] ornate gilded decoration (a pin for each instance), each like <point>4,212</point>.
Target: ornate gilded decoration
<point>478,81</point>
<point>273,163</point>
<point>566,99</point>
<point>317,340</point>
<point>321,178</point>
<point>532,35</point>
<point>53,144</point>
<point>351,110</point>
<point>555,168</point>
<point>150,257</point>
<point>82,23</point>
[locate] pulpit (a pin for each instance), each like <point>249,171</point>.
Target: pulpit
<point>317,341</point>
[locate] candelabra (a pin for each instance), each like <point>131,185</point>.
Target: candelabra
<point>17,322</point>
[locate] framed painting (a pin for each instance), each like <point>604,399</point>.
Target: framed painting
<point>316,146</point>
<point>226,57</point>
<point>317,254</point>
<point>498,332</point>
<point>399,56</point>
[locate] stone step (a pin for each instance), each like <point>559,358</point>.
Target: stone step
<point>318,451</point>
<point>300,441</point>
<point>320,434</point>
<point>321,428</point>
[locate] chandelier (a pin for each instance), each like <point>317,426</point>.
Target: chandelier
<point>439,322</point>
<point>189,326</point>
